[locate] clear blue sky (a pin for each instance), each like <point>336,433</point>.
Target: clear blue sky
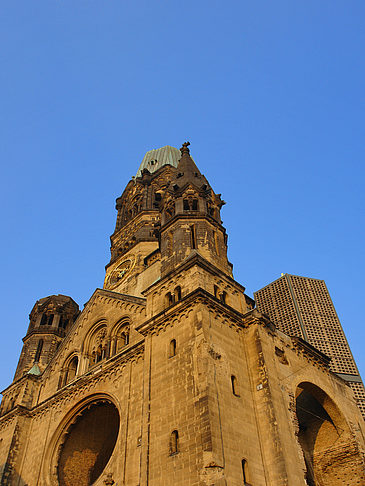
<point>270,95</point>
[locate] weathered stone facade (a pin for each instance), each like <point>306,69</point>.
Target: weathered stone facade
<point>169,375</point>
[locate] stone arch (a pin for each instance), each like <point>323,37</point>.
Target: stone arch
<point>69,370</point>
<point>95,343</point>
<point>330,453</point>
<point>119,336</point>
<point>77,443</point>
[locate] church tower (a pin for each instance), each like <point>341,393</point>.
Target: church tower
<point>169,375</point>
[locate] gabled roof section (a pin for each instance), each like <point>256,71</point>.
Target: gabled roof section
<point>156,158</point>
<point>112,298</point>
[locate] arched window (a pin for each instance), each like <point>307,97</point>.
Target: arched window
<point>244,471</point>
<point>39,351</point>
<point>172,349</point>
<point>125,338</point>
<point>169,299</point>
<point>96,343</point>
<point>50,320</point>
<point>174,442</point>
<point>234,386</point>
<point>71,370</point>
<point>177,293</point>
<point>122,340</point>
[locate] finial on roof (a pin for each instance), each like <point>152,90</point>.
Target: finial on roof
<point>184,149</point>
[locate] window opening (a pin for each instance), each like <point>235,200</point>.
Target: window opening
<point>244,471</point>
<point>177,293</point>
<point>234,386</point>
<point>174,442</point>
<point>71,370</point>
<point>215,291</point>
<point>192,237</point>
<point>63,323</point>
<point>39,351</point>
<point>169,298</point>
<point>172,348</point>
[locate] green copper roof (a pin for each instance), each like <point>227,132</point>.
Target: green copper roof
<point>34,370</point>
<point>156,158</point>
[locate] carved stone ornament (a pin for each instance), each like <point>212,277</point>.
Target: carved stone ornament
<point>109,481</point>
<point>100,336</point>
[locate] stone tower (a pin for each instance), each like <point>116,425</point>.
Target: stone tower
<point>169,375</point>
<point>50,319</point>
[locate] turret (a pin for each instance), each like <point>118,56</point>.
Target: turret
<point>50,320</point>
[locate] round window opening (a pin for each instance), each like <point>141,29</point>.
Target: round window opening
<point>89,443</point>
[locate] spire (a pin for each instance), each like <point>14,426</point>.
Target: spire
<point>187,169</point>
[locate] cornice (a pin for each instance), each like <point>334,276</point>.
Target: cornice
<point>310,351</point>
<point>17,382</point>
<point>195,259</point>
<point>199,295</point>
<point>44,330</point>
<point>118,296</point>
<point>9,417</point>
<point>191,216</point>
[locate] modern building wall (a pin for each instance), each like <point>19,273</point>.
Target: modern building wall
<point>302,306</point>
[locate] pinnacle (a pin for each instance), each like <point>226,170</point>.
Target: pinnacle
<point>186,165</point>
<point>184,149</point>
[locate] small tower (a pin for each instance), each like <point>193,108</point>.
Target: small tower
<point>50,320</point>
<point>190,220</point>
